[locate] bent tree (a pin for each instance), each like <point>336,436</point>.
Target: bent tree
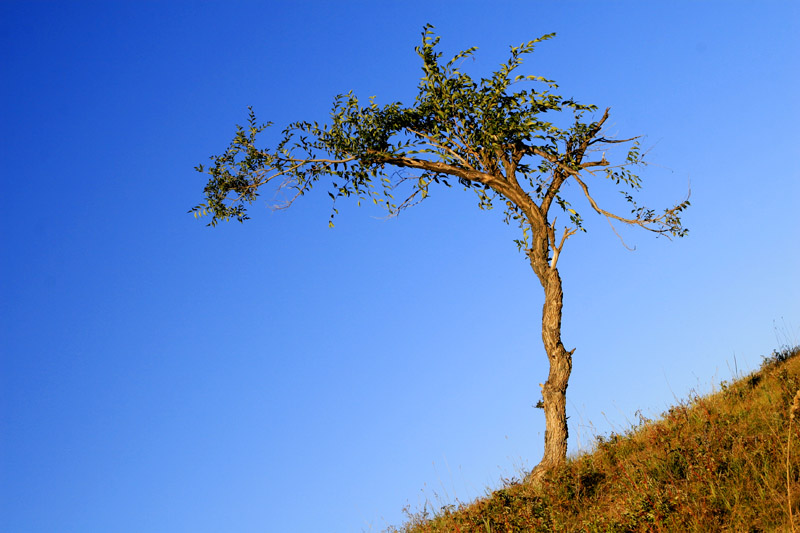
<point>508,138</point>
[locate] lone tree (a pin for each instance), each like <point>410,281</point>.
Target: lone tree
<point>516,148</point>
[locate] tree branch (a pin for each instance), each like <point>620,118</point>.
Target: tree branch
<point>432,142</point>
<point>435,166</point>
<point>631,221</point>
<point>568,232</point>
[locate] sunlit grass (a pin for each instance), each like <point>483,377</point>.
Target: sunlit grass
<point>728,461</point>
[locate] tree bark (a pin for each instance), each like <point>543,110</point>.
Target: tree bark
<point>554,391</point>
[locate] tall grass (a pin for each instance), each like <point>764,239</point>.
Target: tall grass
<point>728,461</point>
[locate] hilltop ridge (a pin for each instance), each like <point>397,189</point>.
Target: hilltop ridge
<point>726,461</point>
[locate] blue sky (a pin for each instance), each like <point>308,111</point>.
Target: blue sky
<point>158,375</point>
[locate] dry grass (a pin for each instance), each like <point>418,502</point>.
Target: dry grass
<point>729,461</point>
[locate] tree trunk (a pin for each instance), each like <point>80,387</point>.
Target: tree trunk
<point>554,391</point>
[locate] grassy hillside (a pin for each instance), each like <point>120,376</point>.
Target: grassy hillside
<point>729,461</point>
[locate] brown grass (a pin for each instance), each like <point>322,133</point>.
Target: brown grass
<point>722,462</point>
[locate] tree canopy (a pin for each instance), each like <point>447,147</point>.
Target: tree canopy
<point>502,137</point>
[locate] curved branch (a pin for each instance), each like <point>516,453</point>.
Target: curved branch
<point>642,223</point>
<point>401,160</point>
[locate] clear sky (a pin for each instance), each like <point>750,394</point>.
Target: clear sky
<point>158,375</point>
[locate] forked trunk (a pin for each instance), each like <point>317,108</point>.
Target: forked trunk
<point>554,391</point>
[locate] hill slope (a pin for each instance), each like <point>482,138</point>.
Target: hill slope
<point>712,463</point>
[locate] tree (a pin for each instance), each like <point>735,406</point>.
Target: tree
<point>512,147</point>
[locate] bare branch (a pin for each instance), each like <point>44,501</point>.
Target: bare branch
<point>302,162</point>
<point>464,145</point>
<point>432,142</point>
<point>613,141</point>
<point>568,232</point>
<point>516,195</point>
<point>601,163</point>
<point>620,236</point>
<point>631,221</point>
<point>402,160</point>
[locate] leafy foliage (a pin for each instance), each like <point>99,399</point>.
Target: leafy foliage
<point>496,136</point>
